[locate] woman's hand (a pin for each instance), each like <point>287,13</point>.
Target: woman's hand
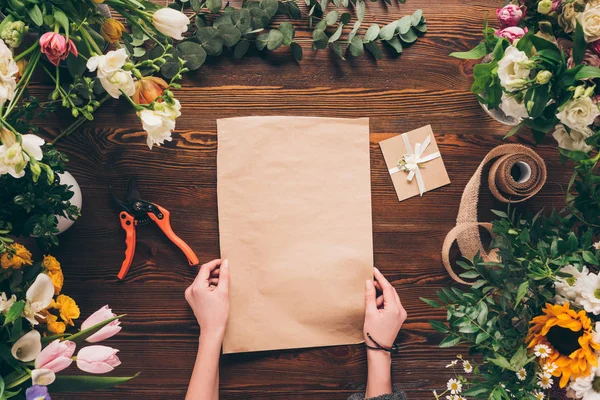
<point>208,296</point>
<point>384,314</point>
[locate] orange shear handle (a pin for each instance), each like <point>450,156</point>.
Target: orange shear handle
<point>128,224</point>
<point>165,225</point>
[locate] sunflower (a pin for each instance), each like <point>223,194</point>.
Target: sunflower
<point>568,334</point>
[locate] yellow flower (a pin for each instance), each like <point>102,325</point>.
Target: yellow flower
<point>98,1</point>
<point>568,334</point>
<point>69,310</point>
<point>16,257</point>
<point>54,325</point>
<point>112,30</point>
<point>51,263</point>
<point>57,280</point>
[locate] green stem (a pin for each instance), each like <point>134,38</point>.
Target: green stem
<point>19,381</point>
<point>23,83</point>
<point>26,52</point>
<point>78,122</point>
<point>88,38</point>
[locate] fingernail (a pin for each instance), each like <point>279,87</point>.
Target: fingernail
<point>369,284</point>
<point>226,264</point>
<point>376,270</point>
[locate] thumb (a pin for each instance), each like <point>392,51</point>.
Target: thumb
<point>224,277</point>
<point>370,297</point>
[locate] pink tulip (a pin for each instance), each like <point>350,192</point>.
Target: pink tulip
<point>56,356</point>
<point>509,15</point>
<point>97,359</point>
<point>56,47</point>
<point>111,329</point>
<point>511,33</point>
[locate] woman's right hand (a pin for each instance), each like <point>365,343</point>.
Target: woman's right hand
<point>384,314</point>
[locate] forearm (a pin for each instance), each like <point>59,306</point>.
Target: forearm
<point>379,380</point>
<point>204,383</point>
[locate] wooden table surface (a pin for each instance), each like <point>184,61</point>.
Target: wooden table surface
<point>160,334</point>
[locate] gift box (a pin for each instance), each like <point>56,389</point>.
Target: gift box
<point>414,162</point>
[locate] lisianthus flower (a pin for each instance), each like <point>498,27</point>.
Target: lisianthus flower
<point>579,113</point>
<point>56,47</point>
<point>69,310</point>
<point>590,22</point>
<point>569,336</point>
<point>512,107</point>
<point>511,33</point>
<point>573,140</point>
<point>512,69</point>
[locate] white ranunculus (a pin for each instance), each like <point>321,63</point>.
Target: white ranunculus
<point>571,141</point>
<point>117,81</point>
<point>42,377</point>
<point>170,22</point>
<point>108,63</point>
<point>512,108</point>
<point>511,72</point>
<point>583,387</point>
<point>579,114</point>
<point>6,303</point>
<point>8,72</point>
<point>28,347</point>
<point>39,296</point>
<point>589,293</point>
<point>567,288</point>
<point>160,122</point>
<point>590,22</point>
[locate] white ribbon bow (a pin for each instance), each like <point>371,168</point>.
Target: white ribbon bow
<point>411,161</point>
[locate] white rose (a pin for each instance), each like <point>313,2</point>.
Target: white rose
<point>160,122</point>
<point>117,81</point>
<point>590,22</point>
<point>579,113</point>
<point>573,141</point>
<point>170,22</point>
<point>108,63</point>
<point>512,108</point>
<point>511,73</point>
<point>8,72</point>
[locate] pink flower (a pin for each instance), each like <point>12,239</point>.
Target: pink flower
<point>111,329</point>
<point>509,15</point>
<point>511,33</point>
<point>56,47</point>
<point>97,359</point>
<point>56,356</point>
<point>595,46</point>
<point>556,4</point>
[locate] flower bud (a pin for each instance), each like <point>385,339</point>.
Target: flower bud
<point>35,168</point>
<point>579,91</point>
<point>148,89</point>
<point>75,113</point>
<point>529,64</point>
<point>112,30</point>
<point>13,33</point>
<point>543,77</point>
<point>128,66</point>
<point>589,91</point>
<point>55,95</point>
<point>546,27</point>
<point>544,6</point>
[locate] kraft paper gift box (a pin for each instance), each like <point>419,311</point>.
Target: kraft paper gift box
<point>416,147</point>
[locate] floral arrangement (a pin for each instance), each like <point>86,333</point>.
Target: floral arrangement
<point>35,317</point>
<point>533,316</point>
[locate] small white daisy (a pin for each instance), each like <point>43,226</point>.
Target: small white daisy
<point>597,245</point>
<point>539,395</point>
<point>522,374</point>
<point>452,397</point>
<point>545,381</point>
<point>452,364</point>
<point>467,367</point>
<point>542,351</point>
<point>549,368</point>
<point>454,386</point>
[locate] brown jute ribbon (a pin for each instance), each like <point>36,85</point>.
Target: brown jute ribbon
<point>504,188</point>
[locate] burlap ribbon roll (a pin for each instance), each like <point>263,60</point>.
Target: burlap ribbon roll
<point>504,187</point>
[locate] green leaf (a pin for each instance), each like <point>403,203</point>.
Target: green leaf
<point>241,49</point>
<point>336,35</point>
<point>501,214</point>
<point>439,326</point>
<point>196,6</point>
<point>275,40</point>
<point>579,44</point>
<point>214,5</point>
<point>372,33</point>
<point>430,303</point>
<point>395,44</point>
<point>80,336</point>
<point>538,97</point>
<point>36,15</point>
<point>2,387</point>
<point>360,9</point>
<point>231,35</point>
<point>270,7</point>
<point>62,20</point>
<point>356,47</point>
<point>76,65</point>
<point>336,47</point>
<point>79,383</point>
<point>296,50</point>
<point>501,362</point>
<point>450,341</point>
<point>404,24</point>
<point>374,49</point>
<point>481,336</point>
<point>320,39</point>
<point>388,31</point>
<point>331,17</point>
<point>587,72</point>
<point>353,31</point>
<point>572,242</point>
<point>590,258</point>
<point>475,53</point>
<point>476,391</point>
<point>345,18</point>
<point>417,17</point>
<point>211,40</point>
<point>287,30</point>
<point>14,312</point>
<point>261,41</point>
<point>521,292</point>
<point>409,37</point>
<point>193,54</point>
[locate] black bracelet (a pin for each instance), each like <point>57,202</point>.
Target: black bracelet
<point>392,350</point>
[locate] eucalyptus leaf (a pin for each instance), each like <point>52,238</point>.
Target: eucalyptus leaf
<point>404,24</point>
<point>320,39</point>
<point>417,17</point>
<point>270,6</point>
<point>210,39</point>
<point>287,30</point>
<point>275,40</point>
<point>356,47</point>
<point>374,49</point>
<point>231,35</point>
<point>331,17</point>
<point>336,35</point>
<point>259,18</point>
<point>360,9</point>
<point>388,31</point>
<point>193,54</point>
<point>372,33</point>
<point>261,40</point>
<point>214,5</point>
<point>241,49</point>
<point>409,37</point>
<point>395,44</point>
<point>345,18</point>
<point>296,50</point>
<point>355,29</point>
<point>337,49</point>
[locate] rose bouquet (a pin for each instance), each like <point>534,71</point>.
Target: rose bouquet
<point>35,317</point>
<point>531,316</point>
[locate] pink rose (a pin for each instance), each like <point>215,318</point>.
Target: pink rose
<point>111,329</point>
<point>511,33</point>
<point>509,15</point>
<point>97,359</point>
<point>56,47</point>
<point>56,356</point>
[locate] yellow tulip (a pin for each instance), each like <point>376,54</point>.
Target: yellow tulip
<point>112,30</point>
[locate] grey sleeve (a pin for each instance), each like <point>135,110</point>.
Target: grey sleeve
<point>392,396</point>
